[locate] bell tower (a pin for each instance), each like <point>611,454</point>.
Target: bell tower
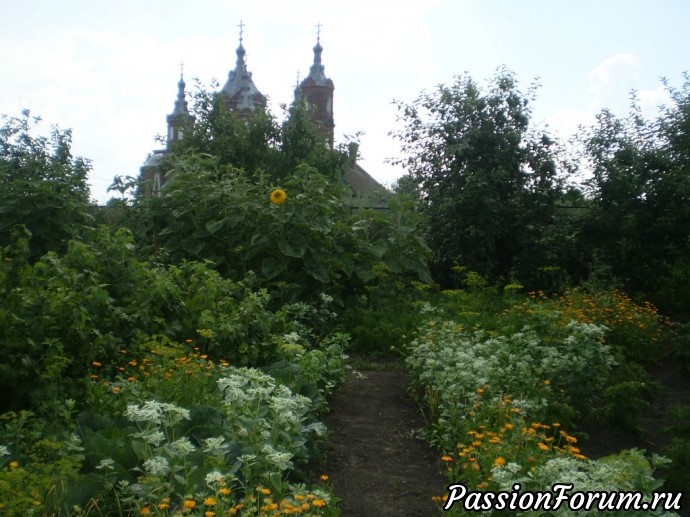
<point>316,91</point>
<point>179,116</point>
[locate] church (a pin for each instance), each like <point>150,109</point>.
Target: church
<point>241,95</point>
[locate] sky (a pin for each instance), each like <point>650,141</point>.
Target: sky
<point>109,70</point>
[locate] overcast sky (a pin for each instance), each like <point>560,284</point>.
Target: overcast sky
<point>109,70</point>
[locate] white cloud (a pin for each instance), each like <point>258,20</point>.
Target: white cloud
<point>611,82</point>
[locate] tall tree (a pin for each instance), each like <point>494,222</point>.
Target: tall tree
<point>488,183</point>
<point>42,186</point>
<point>640,188</point>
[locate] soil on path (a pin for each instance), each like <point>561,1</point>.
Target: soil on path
<point>376,464</point>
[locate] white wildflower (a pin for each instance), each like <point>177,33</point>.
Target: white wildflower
<point>183,446</point>
<point>157,466</point>
<point>214,477</point>
<point>155,437</point>
<point>214,445</point>
<point>280,459</point>
<point>291,337</point>
<point>106,464</point>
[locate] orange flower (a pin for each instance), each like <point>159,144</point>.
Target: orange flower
<point>500,461</point>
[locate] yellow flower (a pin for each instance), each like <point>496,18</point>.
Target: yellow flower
<point>224,491</point>
<point>499,461</point>
<point>446,458</point>
<point>319,503</point>
<point>543,446</point>
<point>14,464</point>
<point>209,501</point>
<point>145,511</point>
<point>188,504</point>
<point>278,196</point>
<point>324,477</point>
<point>209,513</point>
<point>264,491</point>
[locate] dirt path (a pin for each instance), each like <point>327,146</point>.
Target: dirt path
<point>377,466</point>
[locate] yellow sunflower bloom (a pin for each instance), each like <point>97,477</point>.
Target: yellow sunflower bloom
<point>278,196</point>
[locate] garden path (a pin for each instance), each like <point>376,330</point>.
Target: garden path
<point>376,464</point>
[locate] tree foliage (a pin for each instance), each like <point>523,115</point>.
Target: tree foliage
<point>42,186</point>
<point>638,224</point>
<point>488,183</point>
<point>216,206</point>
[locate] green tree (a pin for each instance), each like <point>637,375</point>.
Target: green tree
<point>216,205</point>
<point>488,184</point>
<point>42,186</point>
<point>640,190</point>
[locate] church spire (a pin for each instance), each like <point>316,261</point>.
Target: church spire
<point>316,90</point>
<point>241,94</point>
<point>180,114</point>
<point>181,103</point>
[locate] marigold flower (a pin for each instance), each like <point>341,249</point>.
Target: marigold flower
<point>210,501</point>
<point>145,511</point>
<point>324,477</point>
<point>543,446</point>
<point>224,491</point>
<point>264,491</point>
<point>278,196</point>
<point>96,364</point>
<point>499,461</point>
<point>188,504</point>
<point>14,464</point>
<point>209,513</point>
<point>446,458</point>
<point>319,503</point>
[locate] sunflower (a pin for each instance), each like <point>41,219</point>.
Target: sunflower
<point>278,196</point>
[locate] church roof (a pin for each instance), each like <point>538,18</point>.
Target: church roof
<point>240,90</point>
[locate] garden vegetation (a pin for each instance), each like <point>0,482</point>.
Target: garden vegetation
<point>174,354</point>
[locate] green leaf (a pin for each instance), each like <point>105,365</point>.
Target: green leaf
<point>272,267</point>
<point>295,247</point>
<point>366,275</point>
<point>379,248</point>
<point>213,226</point>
